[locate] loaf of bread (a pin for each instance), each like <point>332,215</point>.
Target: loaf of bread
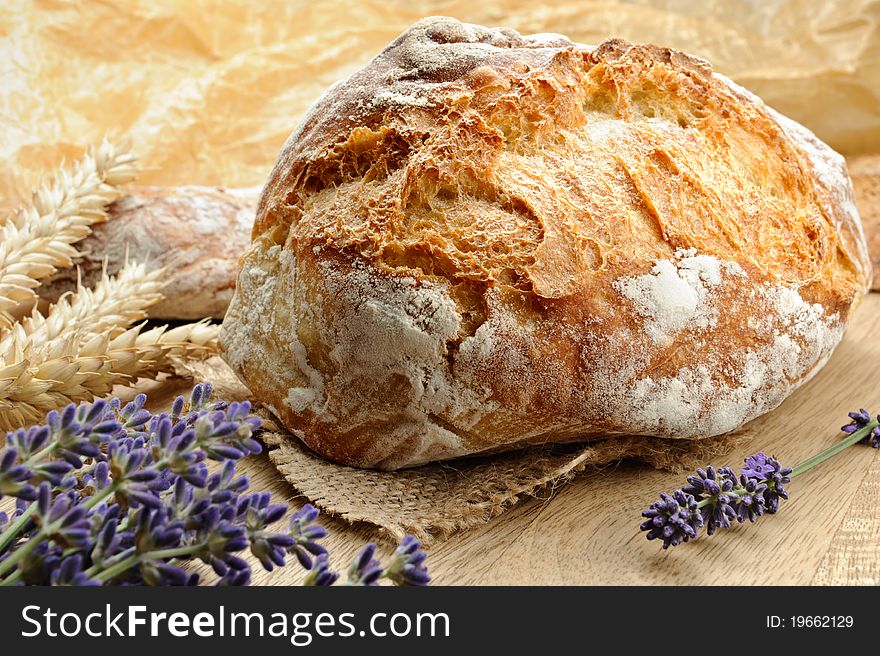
<point>485,240</point>
<point>196,233</point>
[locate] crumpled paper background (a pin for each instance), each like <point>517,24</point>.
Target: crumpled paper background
<point>207,91</point>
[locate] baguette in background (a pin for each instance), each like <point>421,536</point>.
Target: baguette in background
<point>197,233</point>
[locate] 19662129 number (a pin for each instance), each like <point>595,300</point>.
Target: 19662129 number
<point>810,622</point>
<point>821,621</point>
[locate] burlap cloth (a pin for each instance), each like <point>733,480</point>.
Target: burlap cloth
<point>433,501</point>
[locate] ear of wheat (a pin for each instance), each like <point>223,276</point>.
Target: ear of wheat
<point>64,371</point>
<point>38,239</point>
<point>85,344</point>
<point>113,304</point>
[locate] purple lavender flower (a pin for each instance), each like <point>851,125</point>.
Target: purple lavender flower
<point>714,489</point>
<point>55,472</point>
<point>228,434</point>
<point>766,469</point>
<point>259,513</point>
<point>178,407</point>
<point>37,569</point>
<point>720,496</point>
<point>201,397</point>
<point>15,477</point>
<point>64,521</point>
<point>874,438</point>
<point>320,573</point>
<point>860,420</point>
<point>223,485</point>
<point>674,518</point>
<point>69,572</point>
<point>759,466</point>
<point>365,569</point>
<point>133,478</point>
<point>407,566</point>
<point>175,445</point>
<point>122,496</point>
<point>156,529</point>
<point>106,540</point>
<point>237,573</point>
<point>95,479</point>
<point>134,417</point>
<point>160,573</point>
<point>79,431</point>
<point>750,499</point>
<point>184,505</point>
<point>305,532</point>
<point>222,541</point>
<point>50,452</point>
<point>28,442</point>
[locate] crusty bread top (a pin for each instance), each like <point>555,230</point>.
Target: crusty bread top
<point>481,155</point>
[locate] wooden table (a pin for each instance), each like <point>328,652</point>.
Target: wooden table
<point>587,531</point>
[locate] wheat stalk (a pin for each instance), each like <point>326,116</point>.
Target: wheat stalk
<point>115,303</point>
<point>38,239</point>
<point>84,344</point>
<point>64,371</point>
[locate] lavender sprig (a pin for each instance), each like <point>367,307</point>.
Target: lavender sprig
<point>674,519</point>
<point>859,421</point>
<point>320,573</point>
<point>365,569</point>
<point>108,493</point>
<point>714,498</point>
<point>407,566</point>
<point>305,534</point>
<point>717,489</point>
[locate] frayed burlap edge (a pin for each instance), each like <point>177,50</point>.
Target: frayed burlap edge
<point>436,500</point>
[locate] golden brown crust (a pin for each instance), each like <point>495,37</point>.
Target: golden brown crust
<point>632,140</point>
<point>484,240</point>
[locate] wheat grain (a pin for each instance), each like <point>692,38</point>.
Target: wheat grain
<point>114,304</point>
<point>84,345</point>
<point>70,372</point>
<point>38,239</point>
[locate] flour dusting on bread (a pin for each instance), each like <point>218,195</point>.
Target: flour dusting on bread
<point>676,293</point>
<point>696,402</point>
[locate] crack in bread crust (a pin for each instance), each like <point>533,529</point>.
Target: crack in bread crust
<point>486,240</point>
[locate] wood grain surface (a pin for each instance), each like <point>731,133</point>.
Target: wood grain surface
<point>586,532</point>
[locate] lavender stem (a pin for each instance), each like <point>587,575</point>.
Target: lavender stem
<point>831,451</point>
<point>131,561</point>
<point>45,531</point>
<point>15,527</point>
<point>12,560</point>
<point>817,459</point>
